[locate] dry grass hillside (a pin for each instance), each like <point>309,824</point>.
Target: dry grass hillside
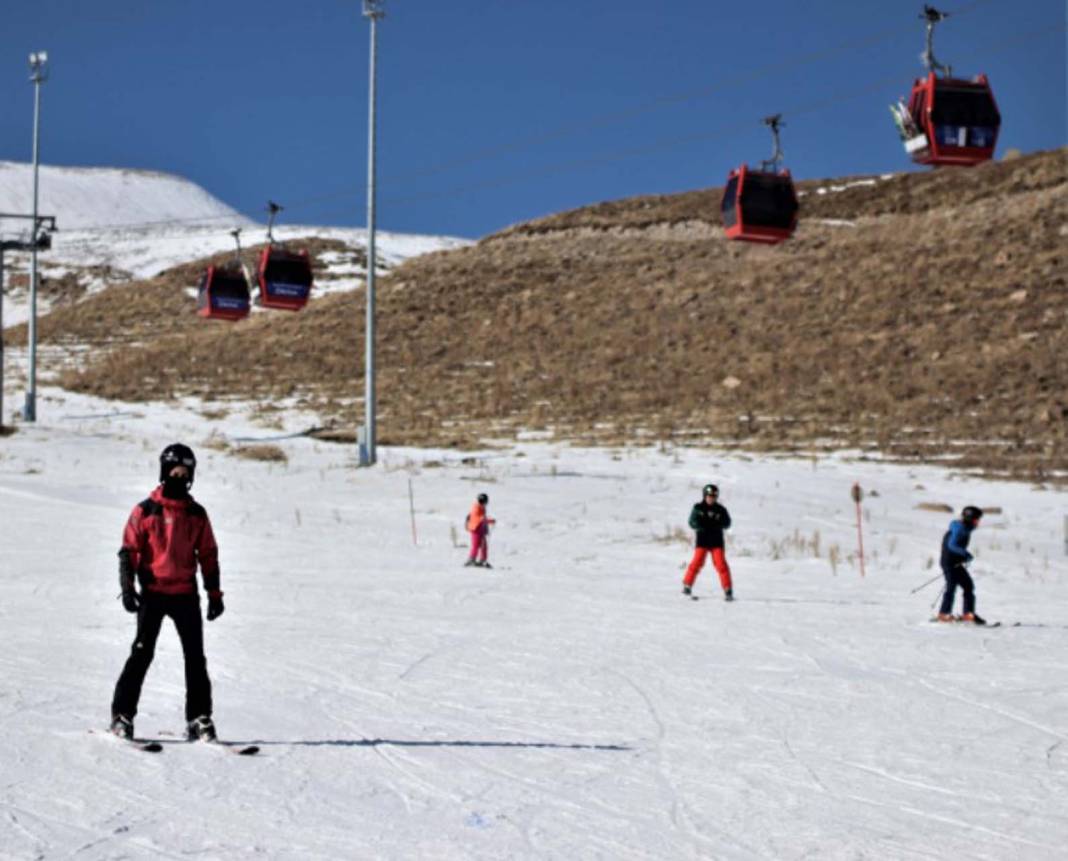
<point>931,325</point>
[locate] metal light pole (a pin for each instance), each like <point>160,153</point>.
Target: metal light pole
<point>39,240</point>
<point>3,247</point>
<point>38,75</point>
<point>372,9</point>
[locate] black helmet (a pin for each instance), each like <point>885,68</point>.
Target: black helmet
<point>174,455</point>
<point>483,499</point>
<point>710,490</point>
<point>971,512</point>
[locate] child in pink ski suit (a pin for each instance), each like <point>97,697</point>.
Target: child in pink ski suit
<point>478,525</point>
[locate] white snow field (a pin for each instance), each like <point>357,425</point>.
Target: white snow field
<point>569,703</point>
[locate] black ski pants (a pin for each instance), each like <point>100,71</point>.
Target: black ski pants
<point>957,575</point>
<point>185,611</point>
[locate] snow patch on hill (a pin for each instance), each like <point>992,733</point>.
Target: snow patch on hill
<point>95,197</point>
<point>117,224</point>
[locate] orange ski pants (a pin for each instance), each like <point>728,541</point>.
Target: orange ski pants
<point>719,560</point>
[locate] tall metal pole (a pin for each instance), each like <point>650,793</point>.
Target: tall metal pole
<point>372,9</point>
<point>1,333</point>
<point>38,74</point>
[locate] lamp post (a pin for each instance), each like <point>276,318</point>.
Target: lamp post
<point>38,75</point>
<point>372,10</point>
<point>39,240</point>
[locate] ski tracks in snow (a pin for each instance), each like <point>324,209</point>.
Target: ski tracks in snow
<point>682,818</point>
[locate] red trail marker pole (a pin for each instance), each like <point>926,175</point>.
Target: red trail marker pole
<point>858,495</point>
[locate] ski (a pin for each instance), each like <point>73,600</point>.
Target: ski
<point>137,743</point>
<point>229,746</point>
<point>236,749</point>
<point>963,624</point>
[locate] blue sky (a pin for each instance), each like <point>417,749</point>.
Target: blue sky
<point>496,111</point>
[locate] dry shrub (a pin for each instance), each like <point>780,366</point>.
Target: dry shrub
<point>935,506</point>
<point>216,442</point>
<point>262,451</point>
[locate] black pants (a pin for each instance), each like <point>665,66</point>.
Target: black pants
<point>185,611</point>
<point>957,575</point>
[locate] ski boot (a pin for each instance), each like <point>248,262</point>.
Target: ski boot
<point>470,563</point>
<point>971,617</point>
<point>687,590</point>
<point>122,726</point>
<point>728,594</point>
<point>200,729</point>
<point>945,617</point>
<point>484,564</point>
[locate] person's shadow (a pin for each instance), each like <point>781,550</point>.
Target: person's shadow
<point>168,738</point>
<point>398,742</point>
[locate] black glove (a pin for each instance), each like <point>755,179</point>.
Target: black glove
<point>215,606</point>
<point>131,601</point>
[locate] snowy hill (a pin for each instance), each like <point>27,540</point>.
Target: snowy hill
<point>94,197</point>
<point>569,703</point>
<point>118,225</point>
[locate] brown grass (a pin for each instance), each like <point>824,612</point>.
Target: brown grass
<point>935,329</point>
<point>262,451</point>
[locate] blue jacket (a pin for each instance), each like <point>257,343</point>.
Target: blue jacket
<point>955,544</point>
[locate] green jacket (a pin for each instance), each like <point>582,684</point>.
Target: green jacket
<point>709,521</point>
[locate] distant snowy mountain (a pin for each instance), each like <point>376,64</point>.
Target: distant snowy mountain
<point>117,224</point>
<point>92,197</point>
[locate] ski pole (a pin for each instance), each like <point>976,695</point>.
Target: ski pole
<point>925,585</point>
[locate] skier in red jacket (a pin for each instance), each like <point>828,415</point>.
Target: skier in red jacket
<point>165,538</point>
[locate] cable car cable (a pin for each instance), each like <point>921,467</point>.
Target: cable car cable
<point>577,128</point>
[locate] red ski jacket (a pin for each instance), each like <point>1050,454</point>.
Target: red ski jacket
<point>165,538</point>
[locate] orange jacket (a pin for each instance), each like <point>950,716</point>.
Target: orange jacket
<point>476,518</point>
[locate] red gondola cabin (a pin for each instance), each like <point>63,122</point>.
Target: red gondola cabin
<point>759,205</point>
<point>959,120</point>
<point>285,279</point>
<point>223,294</point>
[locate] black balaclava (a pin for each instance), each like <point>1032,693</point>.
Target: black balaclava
<point>172,456</point>
<point>176,487</point>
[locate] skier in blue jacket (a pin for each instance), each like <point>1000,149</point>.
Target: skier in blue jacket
<point>954,556</point>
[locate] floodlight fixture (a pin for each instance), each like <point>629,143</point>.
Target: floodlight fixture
<point>39,66</point>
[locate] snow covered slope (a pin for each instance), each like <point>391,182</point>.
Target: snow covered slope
<point>568,703</point>
<point>95,197</point>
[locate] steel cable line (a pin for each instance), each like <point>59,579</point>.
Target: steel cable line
<point>670,143</point>
<point>610,119</point>
<point>800,110</point>
<point>568,130</point>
